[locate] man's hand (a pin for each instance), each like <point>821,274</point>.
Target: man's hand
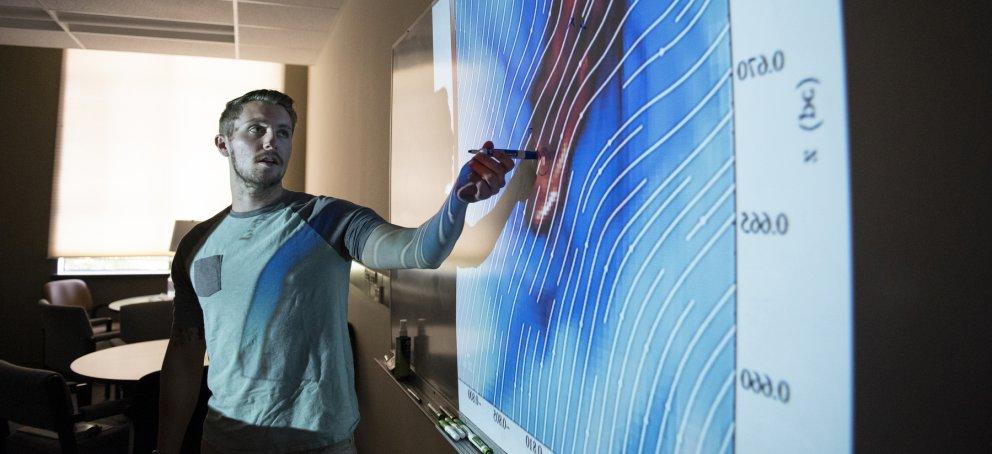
<point>483,176</point>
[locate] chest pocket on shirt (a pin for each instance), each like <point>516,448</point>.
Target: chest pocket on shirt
<point>206,275</point>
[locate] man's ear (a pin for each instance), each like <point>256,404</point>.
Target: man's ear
<point>220,141</point>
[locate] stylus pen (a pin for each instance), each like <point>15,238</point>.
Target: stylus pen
<point>519,154</point>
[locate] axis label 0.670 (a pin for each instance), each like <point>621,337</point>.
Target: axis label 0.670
<point>760,65</point>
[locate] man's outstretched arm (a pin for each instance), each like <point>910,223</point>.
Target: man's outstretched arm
<point>390,246</point>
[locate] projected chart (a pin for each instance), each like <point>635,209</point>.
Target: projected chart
<point>670,260</point>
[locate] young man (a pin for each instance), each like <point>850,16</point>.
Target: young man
<point>263,286</point>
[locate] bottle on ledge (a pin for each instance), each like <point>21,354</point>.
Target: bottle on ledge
<point>402,368</point>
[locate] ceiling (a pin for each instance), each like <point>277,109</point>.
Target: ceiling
<point>283,31</point>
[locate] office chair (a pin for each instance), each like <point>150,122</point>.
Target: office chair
<point>74,292</point>
<point>67,336</point>
<point>39,400</point>
<point>146,321</point>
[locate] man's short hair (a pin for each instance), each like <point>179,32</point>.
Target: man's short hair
<point>236,105</point>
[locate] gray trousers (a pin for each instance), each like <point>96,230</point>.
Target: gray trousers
<point>346,446</point>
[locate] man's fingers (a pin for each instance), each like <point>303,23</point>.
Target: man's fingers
<point>485,184</point>
<point>504,160</point>
<point>478,188</point>
<point>498,161</point>
<point>488,174</point>
<point>494,179</point>
<point>489,161</point>
<point>479,169</point>
<point>483,190</point>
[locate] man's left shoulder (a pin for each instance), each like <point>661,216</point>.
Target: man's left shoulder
<point>323,212</point>
<point>339,205</point>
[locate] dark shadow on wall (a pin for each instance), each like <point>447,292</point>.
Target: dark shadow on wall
<point>920,159</point>
<point>30,80</point>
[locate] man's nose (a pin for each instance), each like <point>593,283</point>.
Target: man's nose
<point>268,140</point>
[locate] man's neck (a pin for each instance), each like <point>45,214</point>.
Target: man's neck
<point>245,198</point>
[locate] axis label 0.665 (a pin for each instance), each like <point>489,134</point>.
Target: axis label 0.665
<point>763,223</point>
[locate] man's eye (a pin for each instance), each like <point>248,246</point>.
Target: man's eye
<point>284,133</point>
<point>256,129</point>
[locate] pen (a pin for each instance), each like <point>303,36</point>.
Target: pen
<point>413,394</point>
<point>520,154</point>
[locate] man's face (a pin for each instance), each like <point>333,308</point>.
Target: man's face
<point>260,144</point>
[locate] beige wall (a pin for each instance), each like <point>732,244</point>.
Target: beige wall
<point>349,102</point>
<point>348,157</point>
<point>296,88</point>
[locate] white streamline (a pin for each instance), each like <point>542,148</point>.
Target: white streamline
<point>579,337</point>
<point>671,295</point>
<point>694,393</point>
<point>663,49</point>
<point>727,386</point>
<point>709,213</point>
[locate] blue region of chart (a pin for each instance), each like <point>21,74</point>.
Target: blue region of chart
<point>603,320</point>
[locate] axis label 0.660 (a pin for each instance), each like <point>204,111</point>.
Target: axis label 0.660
<point>763,385</point>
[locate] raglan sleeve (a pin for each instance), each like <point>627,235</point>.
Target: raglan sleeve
<point>186,310</point>
<point>379,244</point>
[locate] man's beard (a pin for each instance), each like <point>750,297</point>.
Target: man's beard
<point>251,178</point>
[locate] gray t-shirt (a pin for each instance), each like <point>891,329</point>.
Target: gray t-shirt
<point>270,289</point>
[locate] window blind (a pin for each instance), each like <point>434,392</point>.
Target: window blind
<point>135,147</point>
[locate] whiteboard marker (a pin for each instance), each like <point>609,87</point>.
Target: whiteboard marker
<point>450,429</point>
<point>478,443</point>
<point>519,154</point>
<point>460,425</point>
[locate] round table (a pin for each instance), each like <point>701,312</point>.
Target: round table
<point>127,362</point>
<point>127,365</point>
<point>116,305</point>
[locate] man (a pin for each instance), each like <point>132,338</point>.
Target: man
<point>263,286</point>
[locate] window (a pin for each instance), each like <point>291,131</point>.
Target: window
<point>135,153</point>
